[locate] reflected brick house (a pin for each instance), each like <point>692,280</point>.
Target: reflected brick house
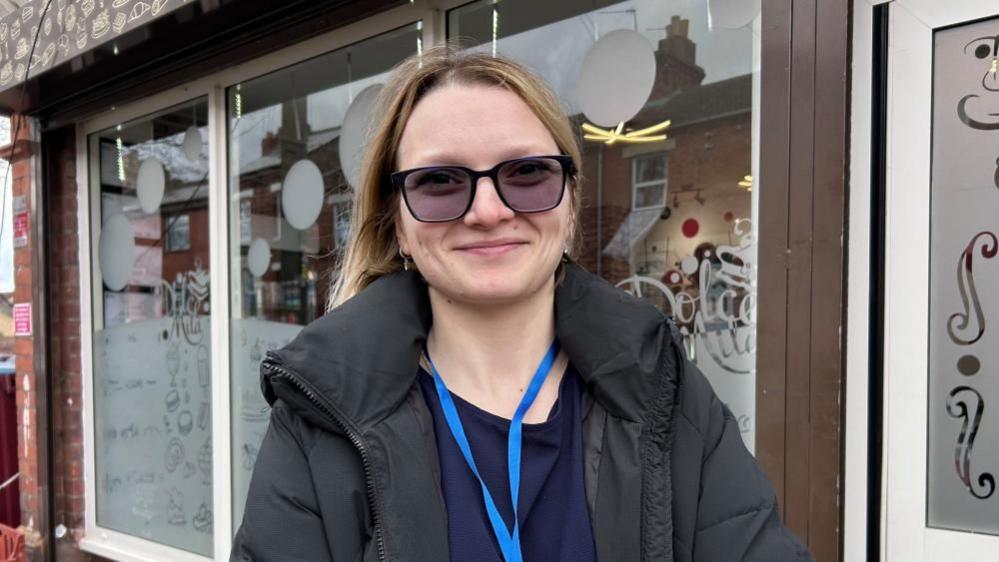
<point>707,119</point>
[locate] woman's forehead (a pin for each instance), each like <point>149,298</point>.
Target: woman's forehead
<point>471,125</point>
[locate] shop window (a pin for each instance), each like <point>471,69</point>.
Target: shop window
<point>665,94</point>
<point>152,345</point>
<point>649,181</point>
<point>294,154</point>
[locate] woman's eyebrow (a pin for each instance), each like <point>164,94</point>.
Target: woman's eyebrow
<point>451,159</point>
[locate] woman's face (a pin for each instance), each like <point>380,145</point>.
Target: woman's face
<point>491,255</point>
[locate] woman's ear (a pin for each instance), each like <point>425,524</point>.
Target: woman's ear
<point>400,235</point>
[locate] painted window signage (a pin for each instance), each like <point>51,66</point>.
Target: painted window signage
<point>964,304</point>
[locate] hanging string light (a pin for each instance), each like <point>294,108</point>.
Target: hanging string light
<point>121,160</point>
<point>419,43</point>
<point>495,28</point>
<point>238,102</point>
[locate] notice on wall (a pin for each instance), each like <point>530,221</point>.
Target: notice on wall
<point>20,230</point>
<point>22,319</point>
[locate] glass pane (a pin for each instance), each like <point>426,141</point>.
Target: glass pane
<point>290,198</point>
<point>650,168</point>
<point>691,251</point>
<point>650,196</point>
<point>152,344</point>
<point>963,391</point>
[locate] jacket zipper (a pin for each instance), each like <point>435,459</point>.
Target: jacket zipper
<point>352,435</point>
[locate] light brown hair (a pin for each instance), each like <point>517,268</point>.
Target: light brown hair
<point>373,250</point>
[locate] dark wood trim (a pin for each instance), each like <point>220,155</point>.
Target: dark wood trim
<point>803,193</point>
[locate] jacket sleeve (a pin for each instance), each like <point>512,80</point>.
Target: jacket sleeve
<point>737,516</point>
<point>282,519</point>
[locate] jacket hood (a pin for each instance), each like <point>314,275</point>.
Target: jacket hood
<point>362,357</point>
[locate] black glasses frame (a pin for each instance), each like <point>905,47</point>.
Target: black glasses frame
<point>398,181</point>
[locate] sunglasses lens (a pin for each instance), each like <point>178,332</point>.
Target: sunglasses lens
<point>532,184</point>
<point>437,194</point>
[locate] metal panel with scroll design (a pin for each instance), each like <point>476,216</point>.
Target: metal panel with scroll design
<point>963,406</point>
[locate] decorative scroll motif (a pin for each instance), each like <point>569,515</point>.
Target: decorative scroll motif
<point>723,302</point>
<point>186,300</point>
<point>960,321</point>
<point>958,408</point>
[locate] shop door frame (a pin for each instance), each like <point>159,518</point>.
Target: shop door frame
<point>911,26</point>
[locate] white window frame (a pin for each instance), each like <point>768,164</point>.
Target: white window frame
<point>903,518</point>
<point>636,185</point>
<point>121,546</point>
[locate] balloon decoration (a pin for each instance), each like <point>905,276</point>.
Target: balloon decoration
<point>116,252</point>
<point>302,194</point>
<point>150,185</point>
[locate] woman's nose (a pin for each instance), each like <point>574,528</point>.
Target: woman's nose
<point>487,208</point>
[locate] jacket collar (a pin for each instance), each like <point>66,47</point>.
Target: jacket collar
<point>362,357</point>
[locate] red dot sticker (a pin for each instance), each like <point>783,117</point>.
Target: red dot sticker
<point>729,216</point>
<point>691,227</point>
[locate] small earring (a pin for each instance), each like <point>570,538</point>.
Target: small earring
<point>405,260</point>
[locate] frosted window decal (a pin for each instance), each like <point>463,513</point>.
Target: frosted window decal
<point>152,351</point>
<point>963,399</point>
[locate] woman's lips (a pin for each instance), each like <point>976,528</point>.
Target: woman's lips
<point>491,248</point>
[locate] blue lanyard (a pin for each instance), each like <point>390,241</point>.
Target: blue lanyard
<point>509,542</point>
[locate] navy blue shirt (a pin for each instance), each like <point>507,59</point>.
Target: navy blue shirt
<point>554,518</point>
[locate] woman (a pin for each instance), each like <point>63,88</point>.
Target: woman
<point>464,346</point>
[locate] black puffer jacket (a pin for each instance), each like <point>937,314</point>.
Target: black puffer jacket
<point>348,470</point>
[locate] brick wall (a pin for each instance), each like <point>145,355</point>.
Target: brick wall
<point>64,342</point>
<point>30,390</point>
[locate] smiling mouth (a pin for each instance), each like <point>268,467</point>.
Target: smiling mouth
<point>492,248</point>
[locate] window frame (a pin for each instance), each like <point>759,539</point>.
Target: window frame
<point>223,225</point>
<point>636,185</point>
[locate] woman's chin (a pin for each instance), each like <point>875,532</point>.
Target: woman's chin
<point>490,291</point>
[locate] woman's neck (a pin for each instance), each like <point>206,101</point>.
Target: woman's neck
<point>488,355</point>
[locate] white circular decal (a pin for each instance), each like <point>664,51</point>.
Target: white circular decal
<point>116,252</point>
<point>302,194</point>
<point>616,77</point>
<point>355,132</point>
<point>150,185</point>
<point>258,257</point>
<point>192,143</point>
<point>732,14</point>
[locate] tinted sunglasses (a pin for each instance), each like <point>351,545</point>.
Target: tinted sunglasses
<point>533,184</point>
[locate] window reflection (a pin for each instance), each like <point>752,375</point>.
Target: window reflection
<point>152,344</point>
<point>296,136</point>
<point>672,219</point>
